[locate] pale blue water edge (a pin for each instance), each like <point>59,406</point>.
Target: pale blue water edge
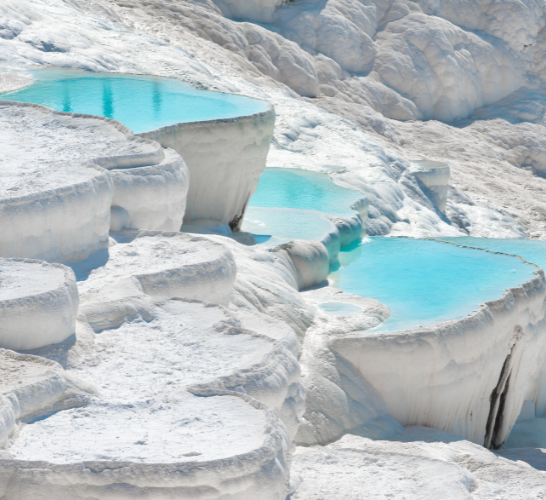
<point>142,103</point>
<point>531,250</point>
<point>292,203</point>
<point>426,282</point>
<point>286,224</point>
<point>304,190</point>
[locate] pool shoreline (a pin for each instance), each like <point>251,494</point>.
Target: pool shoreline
<point>136,75</point>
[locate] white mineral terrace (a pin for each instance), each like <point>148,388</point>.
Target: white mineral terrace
<point>64,174</point>
<point>164,425</point>
<point>163,265</point>
<point>38,303</point>
<point>122,383</point>
<point>233,152</point>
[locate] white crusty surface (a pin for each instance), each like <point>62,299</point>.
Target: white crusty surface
<point>420,464</point>
<point>359,136</point>
<point>17,370</point>
<point>41,150</point>
<point>19,278</point>
<point>142,412</point>
<point>55,189</point>
<point>370,65</point>
<point>170,393</point>
<point>162,264</point>
<point>150,197</point>
<point>30,386</point>
<point>38,303</point>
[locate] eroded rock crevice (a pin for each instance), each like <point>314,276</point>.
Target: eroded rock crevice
<point>498,400</point>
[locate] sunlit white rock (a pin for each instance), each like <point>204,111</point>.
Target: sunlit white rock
<point>225,159</point>
<point>435,177</point>
<point>420,463</point>
<point>161,265</point>
<point>164,416</point>
<point>150,197</point>
<point>56,193</point>
<point>257,10</point>
<point>30,386</point>
<point>38,303</point>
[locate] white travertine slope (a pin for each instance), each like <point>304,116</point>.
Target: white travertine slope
<point>262,56</point>
<point>338,399</point>
<point>174,264</point>
<point>118,36</point>
<point>38,303</point>
<point>163,265</point>
<point>517,22</point>
<point>56,192</point>
<point>261,11</point>
<point>419,464</point>
<point>225,159</point>
<point>435,177</point>
<point>305,137</point>
<point>196,409</point>
<point>31,386</point>
<point>435,376</point>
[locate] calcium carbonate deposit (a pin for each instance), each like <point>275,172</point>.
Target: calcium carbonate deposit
<point>272,249</point>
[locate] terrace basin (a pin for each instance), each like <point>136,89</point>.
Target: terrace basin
<point>142,103</point>
<point>426,282</point>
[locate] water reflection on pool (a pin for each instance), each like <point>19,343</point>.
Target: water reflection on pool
<point>142,103</point>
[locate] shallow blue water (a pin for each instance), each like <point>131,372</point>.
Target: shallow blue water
<point>291,203</point>
<point>287,223</point>
<point>142,103</point>
<point>426,282</point>
<point>531,250</point>
<point>303,189</point>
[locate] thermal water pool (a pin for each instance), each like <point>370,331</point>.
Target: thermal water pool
<point>142,103</point>
<point>425,282</point>
<point>304,190</point>
<point>292,203</point>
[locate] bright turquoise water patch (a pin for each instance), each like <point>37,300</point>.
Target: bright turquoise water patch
<point>303,189</point>
<point>531,250</point>
<point>142,103</point>
<point>287,223</point>
<point>426,282</point>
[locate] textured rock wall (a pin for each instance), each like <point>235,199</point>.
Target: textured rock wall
<point>225,159</point>
<point>468,377</point>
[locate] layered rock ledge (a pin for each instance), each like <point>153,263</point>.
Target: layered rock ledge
<point>38,303</point>
<point>62,173</point>
<point>186,438</point>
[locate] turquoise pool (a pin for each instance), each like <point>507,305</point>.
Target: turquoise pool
<point>142,103</point>
<point>426,282</point>
<point>286,224</point>
<point>423,282</point>
<point>303,190</point>
<point>292,203</point>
